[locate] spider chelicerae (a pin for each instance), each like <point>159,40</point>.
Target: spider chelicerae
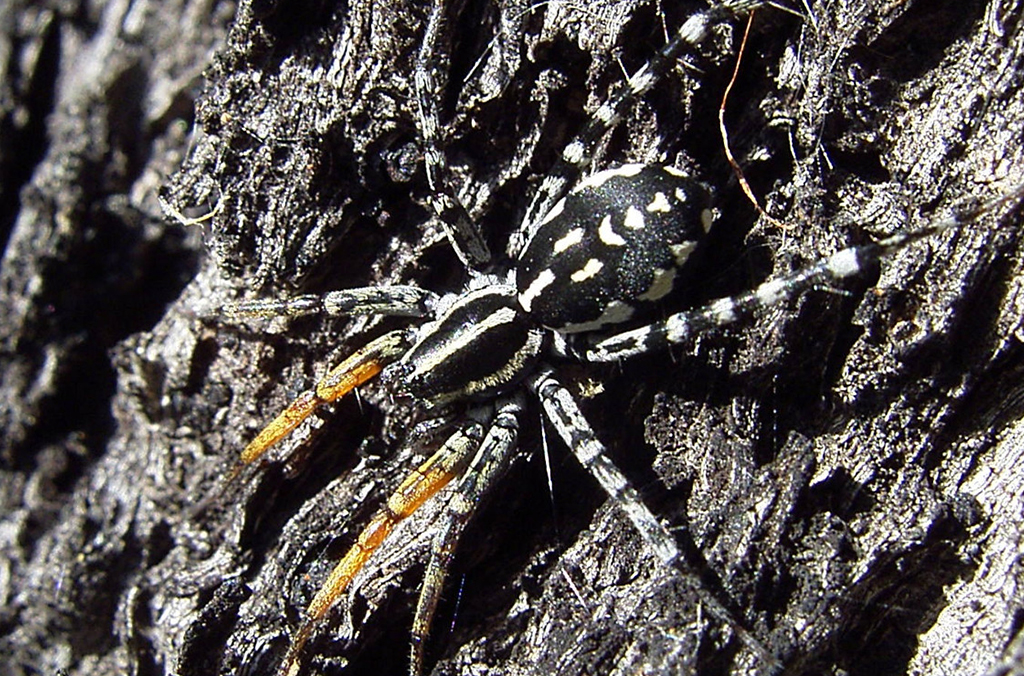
<point>579,270</point>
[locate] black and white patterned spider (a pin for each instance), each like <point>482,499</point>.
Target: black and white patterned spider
<point>562,282</point>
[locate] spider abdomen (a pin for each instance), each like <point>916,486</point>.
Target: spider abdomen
<point>617,241</point>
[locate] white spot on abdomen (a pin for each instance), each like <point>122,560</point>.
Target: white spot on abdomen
<point>680,252</point>
<point>543,281</point>
<point>615,312</point>
<point>659,204</point>
<point>607,234</point>
<point>707,219</point>
<point>662,284</point>
<point>592,267</point>
<point>571,238</point>
<point>597,180</point>
<point>634,219</point>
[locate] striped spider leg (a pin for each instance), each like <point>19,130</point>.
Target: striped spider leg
<point>854,261</point>
<point>449,461</point>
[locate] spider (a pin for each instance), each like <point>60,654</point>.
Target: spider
<point>585,261</point>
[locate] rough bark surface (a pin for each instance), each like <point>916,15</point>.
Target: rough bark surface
<point>846,472</point>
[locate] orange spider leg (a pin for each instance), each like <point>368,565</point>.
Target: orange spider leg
<point>423,483</point>
<point>342,379</point>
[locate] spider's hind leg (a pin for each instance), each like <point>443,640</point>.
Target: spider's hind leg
<point>446,463</point>
<point>564,414</point>
<point>486,469</point>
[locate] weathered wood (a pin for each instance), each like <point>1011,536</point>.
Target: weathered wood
<point>848,470</point>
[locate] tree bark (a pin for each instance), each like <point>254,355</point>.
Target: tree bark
<point>844,472</point>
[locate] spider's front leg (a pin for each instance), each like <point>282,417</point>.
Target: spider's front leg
<point>339,381</point>
<point>462,232</point>
<point>399,301</point>
<point>392,301</point>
